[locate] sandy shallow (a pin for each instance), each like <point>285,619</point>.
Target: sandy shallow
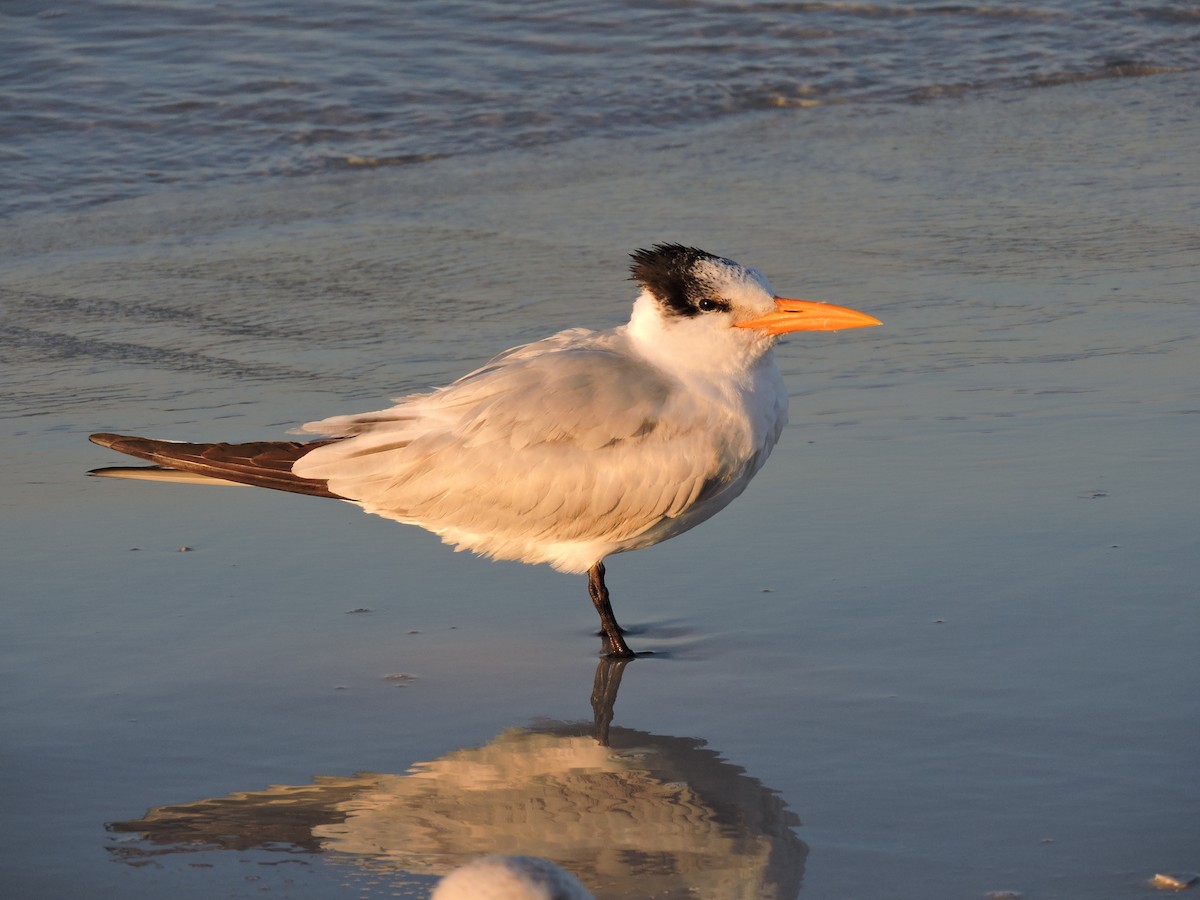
<point>944,646</point>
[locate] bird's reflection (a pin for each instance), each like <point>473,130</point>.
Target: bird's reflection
<point>629,812</point>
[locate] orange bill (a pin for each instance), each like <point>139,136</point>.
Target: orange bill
<point>806,315</point>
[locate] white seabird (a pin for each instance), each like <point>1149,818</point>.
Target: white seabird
<point>566,450</point>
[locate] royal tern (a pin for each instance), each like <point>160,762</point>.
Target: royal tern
<point>566,450</point>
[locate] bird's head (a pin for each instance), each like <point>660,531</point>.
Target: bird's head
<point>710,300</point>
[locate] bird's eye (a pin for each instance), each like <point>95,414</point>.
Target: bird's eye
<point>709,305</point>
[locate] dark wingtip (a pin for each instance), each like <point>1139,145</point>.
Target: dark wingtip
<point>118,442</point>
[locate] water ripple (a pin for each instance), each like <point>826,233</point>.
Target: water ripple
<point>104,100</point>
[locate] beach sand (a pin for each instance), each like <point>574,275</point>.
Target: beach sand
<point>950,630</point>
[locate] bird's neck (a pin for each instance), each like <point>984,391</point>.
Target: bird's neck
<point>692,346</point>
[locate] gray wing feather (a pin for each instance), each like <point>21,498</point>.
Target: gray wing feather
<point>564,440</point>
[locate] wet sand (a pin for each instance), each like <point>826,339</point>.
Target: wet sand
<point>951,629</point>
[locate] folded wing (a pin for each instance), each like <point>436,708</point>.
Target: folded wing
<point>537,450</point>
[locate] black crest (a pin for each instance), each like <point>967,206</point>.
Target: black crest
<point>668,272</point>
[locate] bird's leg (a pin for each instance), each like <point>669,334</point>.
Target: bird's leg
<point>614,644</point>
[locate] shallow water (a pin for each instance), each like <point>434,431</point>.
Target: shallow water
<point>950,628</point>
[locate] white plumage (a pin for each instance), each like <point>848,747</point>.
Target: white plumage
<point>563,451</point>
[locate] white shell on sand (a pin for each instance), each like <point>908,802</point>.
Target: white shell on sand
<point>510,878</point>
